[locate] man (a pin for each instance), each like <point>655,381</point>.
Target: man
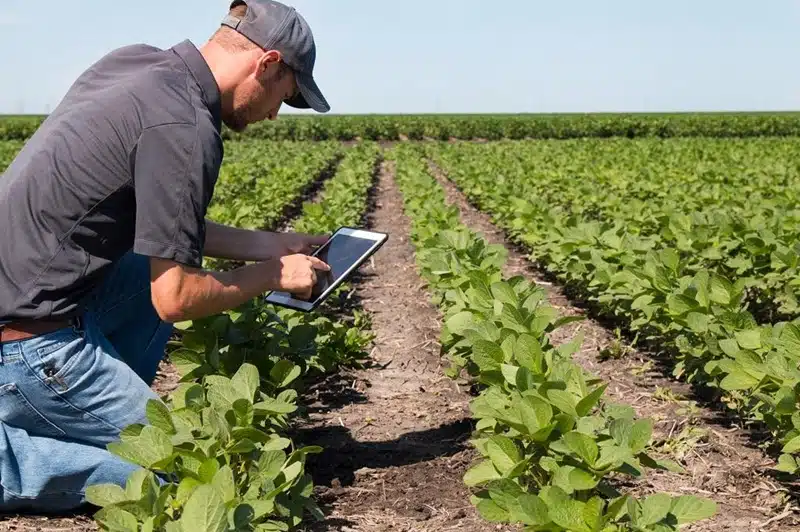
<point>103,235</point>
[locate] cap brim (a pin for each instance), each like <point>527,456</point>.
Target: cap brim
<point>309,96</point>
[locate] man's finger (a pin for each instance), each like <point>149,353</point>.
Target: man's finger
<point>319,265</point>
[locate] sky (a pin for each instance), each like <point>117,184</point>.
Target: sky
<point>449,56</point>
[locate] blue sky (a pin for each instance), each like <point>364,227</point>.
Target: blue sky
<point>454,56</point>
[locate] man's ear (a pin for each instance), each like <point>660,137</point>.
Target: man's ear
<point>267,60</point>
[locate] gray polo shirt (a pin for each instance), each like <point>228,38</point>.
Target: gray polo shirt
<point>128,160</point>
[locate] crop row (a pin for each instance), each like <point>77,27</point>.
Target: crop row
<point>554,450</point>
<point>727,206</point>
<point>697,315</point>
<point>215,456</point>
<point>260,180</point>
<point>492,127</point>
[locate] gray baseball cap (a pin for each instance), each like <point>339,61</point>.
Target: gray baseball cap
<point>275,26</point>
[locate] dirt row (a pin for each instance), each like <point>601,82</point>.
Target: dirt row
<point>395,434</point>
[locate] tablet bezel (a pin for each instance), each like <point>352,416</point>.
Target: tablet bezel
<point>285,299</point>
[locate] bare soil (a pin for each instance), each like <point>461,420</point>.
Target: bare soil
<point>719,459</point>
<point>395,434</point>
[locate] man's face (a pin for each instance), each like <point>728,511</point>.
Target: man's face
<point>260,94</point>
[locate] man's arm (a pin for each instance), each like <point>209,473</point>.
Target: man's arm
<point>181,293</point>
<point>233,243</point>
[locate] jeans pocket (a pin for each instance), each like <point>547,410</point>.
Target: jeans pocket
<point>57,353</point>
<point>17,411</point>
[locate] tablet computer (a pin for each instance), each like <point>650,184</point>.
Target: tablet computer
<point>344,252</point>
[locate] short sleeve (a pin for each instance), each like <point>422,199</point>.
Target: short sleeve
<point>174,177</point>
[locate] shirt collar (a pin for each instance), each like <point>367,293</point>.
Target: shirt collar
<point>201,72</point>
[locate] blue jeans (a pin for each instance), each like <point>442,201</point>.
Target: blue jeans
<point>66,394</point>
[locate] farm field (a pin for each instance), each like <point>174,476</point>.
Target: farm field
<point>566,334</point>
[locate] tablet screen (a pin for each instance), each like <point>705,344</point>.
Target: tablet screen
<point>340,253</point>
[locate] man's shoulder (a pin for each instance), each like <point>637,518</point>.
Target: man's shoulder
<point>153,79</point>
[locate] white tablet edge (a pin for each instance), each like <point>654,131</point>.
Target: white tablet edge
<point>283,297</point>
<point>359,233</point>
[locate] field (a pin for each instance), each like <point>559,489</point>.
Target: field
<point>579,323</point>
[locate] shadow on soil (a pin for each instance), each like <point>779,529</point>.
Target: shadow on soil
<point>329,525</point>
<point>343,455</point>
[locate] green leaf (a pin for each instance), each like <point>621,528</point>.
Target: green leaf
<point>222,396</point>
<point>640,435</point>
<point>270,463</point>
<point>792,446</point>
<point>205,511</point>
<point>135,484</point>
<point>721,290</point>
<point>582,445</point>
<point>510,373</point>
<point>586,404</point>
<point>534,412</point>
<point>458,323</point>
<point>503,452</point>
<point>246,378</point>
<point>487,355</point>
<point>186,488</point>
<point>117,520</point>
<point>242,446</point>
<point>149,448</point>
<point>481,473</point>
<point>273,406</point>
<point>505,292</point>
<point>697,322</point>
<point>533,510</point>
<point>750,339</point>
<point>208,470</point>
<point>787,464</point>
<point>186,360</point>
<point>243,516</point>
<point>490,511</point>
<point>158,415</point>
<point>655,508</point>
<point>730,347</point>
<point>224,483</point>
<point>564,401</point>
<point>292,471</point>
<point>284,372</point>
<point>738,380</point>
<point>528,352</point>
<point>105,494</point>
<point>568,513</point>
<point>244,412</point>
<point>688,509</point>
<point>581,480</point>
<point>272,526</point>
<point>679,304</point>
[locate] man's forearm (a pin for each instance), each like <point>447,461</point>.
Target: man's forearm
<point>205,293</point>
<point>233,243</point>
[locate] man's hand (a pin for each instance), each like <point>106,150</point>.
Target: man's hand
<point>299,274</point>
